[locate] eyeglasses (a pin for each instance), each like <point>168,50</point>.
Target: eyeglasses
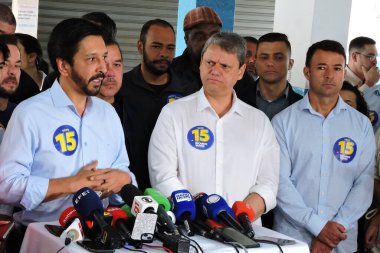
<point>369,57</point>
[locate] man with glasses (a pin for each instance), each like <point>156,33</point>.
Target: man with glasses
<point>362,71</point>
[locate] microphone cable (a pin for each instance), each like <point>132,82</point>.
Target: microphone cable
<point>233,245</point>
<point>270,242</point>
<point>61,249</point>
<point>135,250</point>
<point>192,240</point>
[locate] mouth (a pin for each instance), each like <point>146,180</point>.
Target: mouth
<point>98,78</point>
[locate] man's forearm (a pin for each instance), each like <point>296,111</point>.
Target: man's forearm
<point>257,203</point>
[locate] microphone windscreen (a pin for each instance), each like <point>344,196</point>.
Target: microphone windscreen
<point>198,199</point>
<point>117,213</point>
<point>158,197</point>
<point>183,202</point>
<point>215,204</point>
<point>86,202</point>
<point>67,216</point>
<point>129,192</point>
<point>127,209</point>
<point>240,207</point>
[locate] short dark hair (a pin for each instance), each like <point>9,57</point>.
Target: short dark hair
<point>9,39</point>
<point>359,43</point>
<point>31,45</point>
<point>230,42</point>
<point>360,101</point>
<point>65,38</point>
<point>106,23</point>
<point>325,45</point>
<point>4,50</point>
<point>145,28</point>
<point>114,42</point>
<point>250,39</point>
<point>6,15</point>
<point>275,37</point>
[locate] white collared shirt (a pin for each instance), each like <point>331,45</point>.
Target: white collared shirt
<point>233,156</point>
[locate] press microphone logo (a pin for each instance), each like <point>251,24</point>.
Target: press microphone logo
<point>213,199</point>
<point>183,197</point>
<point>82,194</point>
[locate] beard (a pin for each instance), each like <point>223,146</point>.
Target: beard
<point>84,85</point>
<point>152,68</point>
<point>7,93</point>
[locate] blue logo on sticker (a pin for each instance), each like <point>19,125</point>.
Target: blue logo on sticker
<point>345,150</point>
<point>173,97</point>
<point>374,117</point>
<point>200,137</point>
<point>65,140</point>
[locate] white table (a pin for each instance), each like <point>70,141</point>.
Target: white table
<point>38,239</point>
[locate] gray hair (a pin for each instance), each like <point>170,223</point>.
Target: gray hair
<point>230,42</point>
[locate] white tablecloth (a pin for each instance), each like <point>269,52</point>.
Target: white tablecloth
<point>38,239</point>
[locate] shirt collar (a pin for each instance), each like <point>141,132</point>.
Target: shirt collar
<point>284,93</point>
<point>305,105</point>
<point>203,103</point>
<point>60,98</point>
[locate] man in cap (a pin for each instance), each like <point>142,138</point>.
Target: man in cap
<point>199,25</point>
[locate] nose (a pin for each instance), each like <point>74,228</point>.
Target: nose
<point>110,70</point>
<point>102,66</point>
<point>215,70</point>
<point>327,73</point>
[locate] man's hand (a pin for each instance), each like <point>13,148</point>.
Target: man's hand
<point>332,233</point>
<point>85,177</point>
<point>112,181</point>
<point>371,76</point>
<point>319,247</point>
<point>371,233</point>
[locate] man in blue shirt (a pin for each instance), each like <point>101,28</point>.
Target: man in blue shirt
<point>64,138</point>
<point>327,159</point>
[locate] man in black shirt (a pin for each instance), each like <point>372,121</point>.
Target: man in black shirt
<point>10,69</point>
<point>145,90</point>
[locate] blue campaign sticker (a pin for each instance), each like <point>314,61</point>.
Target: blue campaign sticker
<point>173,97</point>
<point>200,137</point>
<point>65,140</point>
<point>374,117</point>
<point>345,149</point>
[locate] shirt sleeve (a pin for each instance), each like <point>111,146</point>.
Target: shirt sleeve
<point>289,200</point>
<point>268,177</point>
<point>162,155</point>
<point>17,185</point>
<point>362,187</point>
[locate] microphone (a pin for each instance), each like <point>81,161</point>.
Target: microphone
<point>163,206</point>
<point>198,200</point>
<point>245,215</point>
<point>144,208</point>
<point>74,232</point>
<point>118,220</point>
<point>184,209</point>
<point>66,220</point>
<point>89,206</point>
<point>216,208</point>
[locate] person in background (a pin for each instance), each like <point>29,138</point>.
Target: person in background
<point>7,20</point>
<point>146,89</point>
<point>31,58</point>
<point>352,96</point>
<point>362,71</point>
<point>251,56</point>
<point>5,109</point>
<point>327,158</point>
<point>114,77</point>
<point>26,87</point>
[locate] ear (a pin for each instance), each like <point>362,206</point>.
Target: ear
<point>140,47</point>
<point>32,58</point>
<point>306,72</point>
<point>354,56</point>
<point>291,63</point>
<point>63,67</point>
<point>241,71</point>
